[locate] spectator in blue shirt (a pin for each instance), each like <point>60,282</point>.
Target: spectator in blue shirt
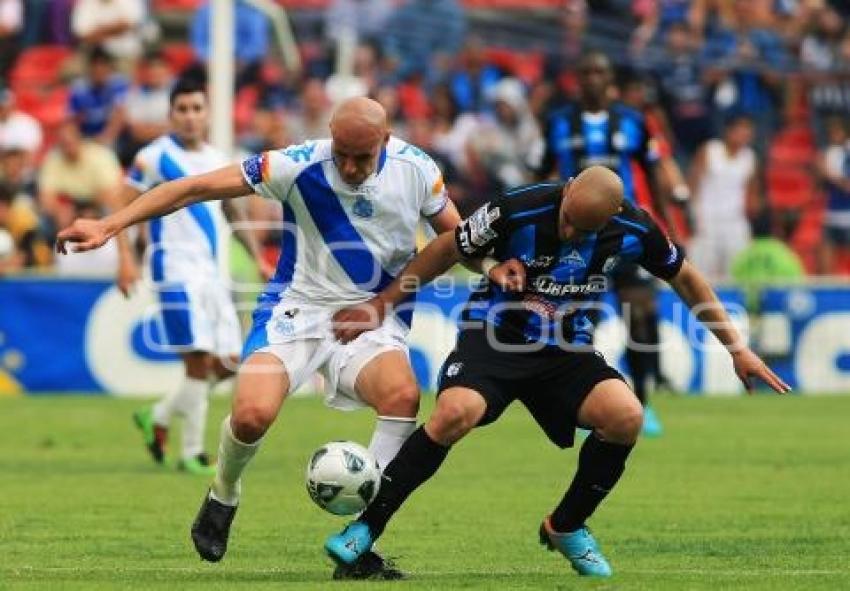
<point>420,32</point>
<point>745,62</point>
<point>97,101</point>
<point>250,42</point>
<point>473,78</point>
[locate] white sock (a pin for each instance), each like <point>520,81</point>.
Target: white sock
<point>170,403</point>
<point>193,404</point>
<point>390,433</point>
<point>233,456</point>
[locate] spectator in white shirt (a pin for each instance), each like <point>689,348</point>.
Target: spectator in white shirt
<point>18,131</point>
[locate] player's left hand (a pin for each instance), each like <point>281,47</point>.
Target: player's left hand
<point>87,234</point>
<point>351,322</point>
<point>749,365</point>
<point>510,275</point>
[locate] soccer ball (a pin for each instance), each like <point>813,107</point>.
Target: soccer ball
<point>342,477</point>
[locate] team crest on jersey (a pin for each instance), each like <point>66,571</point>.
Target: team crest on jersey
<point>363,207</point>
<point>574,259</point>
<point>454,369</point>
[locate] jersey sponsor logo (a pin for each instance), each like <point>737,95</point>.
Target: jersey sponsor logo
<point>363,208</point>
<point>253,169</point>
<point>540,262</point>
<point>546,285</point>
<point>302,153</point>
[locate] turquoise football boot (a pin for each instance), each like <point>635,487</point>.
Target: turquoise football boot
<point>651,423</point>
<point>579,547</point>
<point>350,544</point>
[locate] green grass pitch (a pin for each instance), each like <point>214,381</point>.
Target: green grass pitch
<point>739,494</point>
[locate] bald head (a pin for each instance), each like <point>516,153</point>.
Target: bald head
<point>358,116</point>
<point>359,130</point>
<point>590,200</point>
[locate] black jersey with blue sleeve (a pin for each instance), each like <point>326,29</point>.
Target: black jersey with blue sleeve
<point>565,280</point>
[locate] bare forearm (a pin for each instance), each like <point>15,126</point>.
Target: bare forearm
<point>160,200</point>
<point>703,302</point>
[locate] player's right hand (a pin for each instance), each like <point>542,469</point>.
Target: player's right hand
<point>510,275</point>
<point>351,322</point>
<point>128,275</point>
<point>86,234</point>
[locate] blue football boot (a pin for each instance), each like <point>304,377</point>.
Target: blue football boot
<point>651,423</point>
<point>350,544</point>
<point>580,549</point>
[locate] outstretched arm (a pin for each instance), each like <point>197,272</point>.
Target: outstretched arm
<point>703,302</point>
<point>163,199</point>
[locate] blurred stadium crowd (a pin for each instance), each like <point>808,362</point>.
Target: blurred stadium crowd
<point>85,84</point>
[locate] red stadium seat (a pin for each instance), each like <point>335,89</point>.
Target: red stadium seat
<point>49,106</point>
<point>793,145</point>
<point>39,66</point>
<point>528,67</point>
<point>179,56</point>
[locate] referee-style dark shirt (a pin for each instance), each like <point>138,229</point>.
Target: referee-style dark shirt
<point>565,279</point>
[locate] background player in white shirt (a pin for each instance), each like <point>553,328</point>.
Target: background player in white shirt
<point>189,269</point>
<point>351,207</point>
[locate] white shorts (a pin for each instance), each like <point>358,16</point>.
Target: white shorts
<point>199,317</point>
<point>310,347</point>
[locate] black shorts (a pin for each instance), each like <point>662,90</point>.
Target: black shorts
<point>630,276</point>
<point>551,384</point>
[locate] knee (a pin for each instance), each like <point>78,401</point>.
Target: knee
<point>624,425</point>
<point>450,422</point>
<point>250,421</point>
<point>400,401</point>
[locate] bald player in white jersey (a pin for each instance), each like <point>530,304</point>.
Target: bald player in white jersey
<point>351,207</point>
<point>189,270</point>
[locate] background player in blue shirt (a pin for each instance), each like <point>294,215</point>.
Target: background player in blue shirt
<point>600,131</point>
<point>528,337</point>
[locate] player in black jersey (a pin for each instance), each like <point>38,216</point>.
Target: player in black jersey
<point>528,336</point>
<point>599,131</point>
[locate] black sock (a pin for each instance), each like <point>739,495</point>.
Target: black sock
<point>653,356</point>
<point>600,465</point>
<point>636,361</point>
<point>417,460</point>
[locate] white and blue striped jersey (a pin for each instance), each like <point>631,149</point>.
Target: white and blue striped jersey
<point>190,244</point>
<point>342,244</point>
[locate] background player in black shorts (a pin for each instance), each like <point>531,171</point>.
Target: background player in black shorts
<point>528,336</point>
<point>599,131</point>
